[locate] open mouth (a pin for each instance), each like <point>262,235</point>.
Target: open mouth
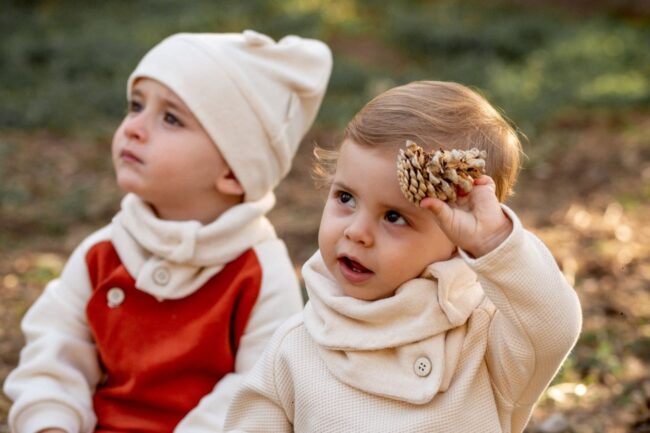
<point>354,266</point>
<point>353,271</point>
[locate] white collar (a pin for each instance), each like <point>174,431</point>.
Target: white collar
<point>371,345</point>
<point>188,251</point>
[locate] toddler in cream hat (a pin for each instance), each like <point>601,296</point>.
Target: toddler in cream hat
<point>157,316</point>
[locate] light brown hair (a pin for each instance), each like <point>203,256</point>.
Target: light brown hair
<point>436,115</point>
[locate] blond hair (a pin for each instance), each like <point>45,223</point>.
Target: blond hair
<point>436,115</point>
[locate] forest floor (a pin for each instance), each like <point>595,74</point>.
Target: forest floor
<point>587,195</point>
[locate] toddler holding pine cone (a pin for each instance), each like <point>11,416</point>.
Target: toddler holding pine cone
<point>431,309</point>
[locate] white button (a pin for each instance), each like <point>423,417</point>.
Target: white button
<point>115,297</point>
<point>422,366</point>
<point>161,275</point>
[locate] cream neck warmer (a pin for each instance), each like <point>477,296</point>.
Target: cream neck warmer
<point>172,259</point>
<point>372,345</point>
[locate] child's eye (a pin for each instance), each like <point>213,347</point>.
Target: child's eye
<point>134,107</point>
<point>394,218</point>
<point>345,198</point>
<point>172,120</point>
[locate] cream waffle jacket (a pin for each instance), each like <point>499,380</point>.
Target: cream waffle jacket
<point>469,347</point>
<point>58,370</point>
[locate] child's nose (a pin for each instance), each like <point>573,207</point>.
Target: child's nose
<point>359,231</point>
<point>135,126</point>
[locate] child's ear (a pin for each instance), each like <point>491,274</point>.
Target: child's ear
<point>227,183</point>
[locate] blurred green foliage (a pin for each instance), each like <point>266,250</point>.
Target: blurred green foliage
<point>64,64</point>
<point>533,63</point>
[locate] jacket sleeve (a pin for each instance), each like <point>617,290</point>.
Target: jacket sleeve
<point>52,385</point>
<point>537,319</point>
<point>265,401</point>
<point>278,299</point>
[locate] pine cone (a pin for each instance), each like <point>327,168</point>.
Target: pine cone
<point>439,173</point>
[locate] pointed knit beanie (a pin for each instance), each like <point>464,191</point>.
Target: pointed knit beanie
<point>256,98</point>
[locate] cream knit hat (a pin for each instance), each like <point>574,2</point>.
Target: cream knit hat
<point>255,98</point>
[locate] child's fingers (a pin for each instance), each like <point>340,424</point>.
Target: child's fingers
<point>486,181</point>
<point>483,194</point>
<point>462,201</point>
<point>441,210</point>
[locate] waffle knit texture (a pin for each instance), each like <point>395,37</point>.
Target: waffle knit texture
<point>495,330</point>
<point>256,98</point>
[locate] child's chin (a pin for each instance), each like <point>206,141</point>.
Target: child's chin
<point>363,293</point>
<point>128,185</point>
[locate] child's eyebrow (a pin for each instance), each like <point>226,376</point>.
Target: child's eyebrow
<point>404,210</point>
<point>169,102</point>
<point>174,105</point>
<point>340,185</point>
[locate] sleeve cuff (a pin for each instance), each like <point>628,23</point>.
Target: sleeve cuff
<point>46,415</point>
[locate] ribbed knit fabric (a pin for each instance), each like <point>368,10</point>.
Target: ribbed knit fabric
<point>510,347</point>
<point>255,98</point>
<point>187,248</point>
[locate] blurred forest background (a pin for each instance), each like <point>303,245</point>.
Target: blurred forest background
<point>574,76</point>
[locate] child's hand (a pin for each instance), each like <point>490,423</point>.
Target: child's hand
<point>476,223</point>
